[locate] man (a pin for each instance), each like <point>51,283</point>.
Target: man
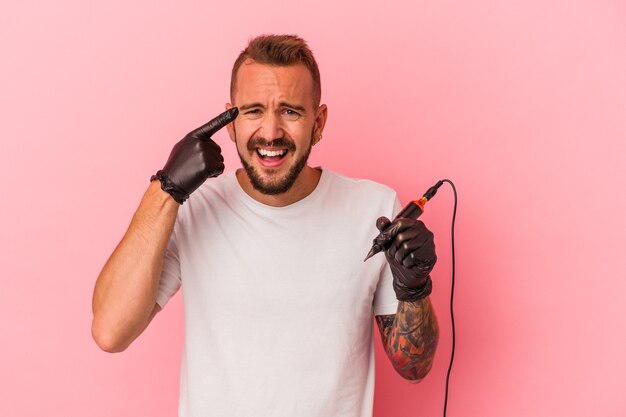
<point>278,301</point>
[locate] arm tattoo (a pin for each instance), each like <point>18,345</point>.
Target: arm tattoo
<point>410,338</point>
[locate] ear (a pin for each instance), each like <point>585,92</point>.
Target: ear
<point>229,127</point>
<point>320,121</point>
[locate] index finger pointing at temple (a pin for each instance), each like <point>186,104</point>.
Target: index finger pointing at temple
<point>207,130</point>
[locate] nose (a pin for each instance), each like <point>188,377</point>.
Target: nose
<point>271,126</point>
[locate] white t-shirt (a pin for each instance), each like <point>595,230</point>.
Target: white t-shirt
<point>278,301</point>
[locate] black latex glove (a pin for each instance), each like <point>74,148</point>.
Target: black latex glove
<point>410,250</point>
<point>194,159</point>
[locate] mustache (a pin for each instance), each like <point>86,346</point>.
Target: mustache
<point>278,142</point>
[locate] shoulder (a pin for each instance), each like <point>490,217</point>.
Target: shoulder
<point>215,189</point>
<point>211,196</point>
<point>362,186</point>
<point>369,198</point>
<point>222,184</point>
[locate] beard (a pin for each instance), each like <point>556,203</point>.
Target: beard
<point>275,186</point>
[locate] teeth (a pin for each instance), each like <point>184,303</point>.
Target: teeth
<point>263,152</point>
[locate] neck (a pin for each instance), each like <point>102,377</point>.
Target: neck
<point>304,185</point>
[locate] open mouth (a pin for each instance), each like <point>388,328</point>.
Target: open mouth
<point>271,156</point>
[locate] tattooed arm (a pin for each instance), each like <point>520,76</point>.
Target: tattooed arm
<point>410,338</point>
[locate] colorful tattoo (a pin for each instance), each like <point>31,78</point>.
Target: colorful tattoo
<point>410,338</point>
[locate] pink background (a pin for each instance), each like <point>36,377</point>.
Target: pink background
<point>521,103</point>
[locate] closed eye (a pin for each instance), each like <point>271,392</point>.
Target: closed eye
<point>253,113</point>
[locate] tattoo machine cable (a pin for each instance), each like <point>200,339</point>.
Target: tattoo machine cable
<point>412,211</point>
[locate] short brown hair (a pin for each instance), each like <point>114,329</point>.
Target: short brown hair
<point>280,50</point>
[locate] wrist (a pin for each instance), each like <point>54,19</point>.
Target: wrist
<point>159,197</point>
<point>404,293</point>
<point>169,187</point>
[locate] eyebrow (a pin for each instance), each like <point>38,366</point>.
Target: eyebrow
<point>281,104</point>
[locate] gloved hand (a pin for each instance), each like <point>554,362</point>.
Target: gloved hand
<point>194,159</point>
<point>410,250</point>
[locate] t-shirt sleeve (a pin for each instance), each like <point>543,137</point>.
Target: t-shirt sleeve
<point>170,275</point>
<point>385,301</point>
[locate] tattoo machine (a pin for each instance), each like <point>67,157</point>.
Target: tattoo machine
<point>412,211</point>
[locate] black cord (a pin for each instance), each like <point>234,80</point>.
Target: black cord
<point>445,404</point>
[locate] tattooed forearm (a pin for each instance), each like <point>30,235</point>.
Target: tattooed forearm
<point>410,338</point>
